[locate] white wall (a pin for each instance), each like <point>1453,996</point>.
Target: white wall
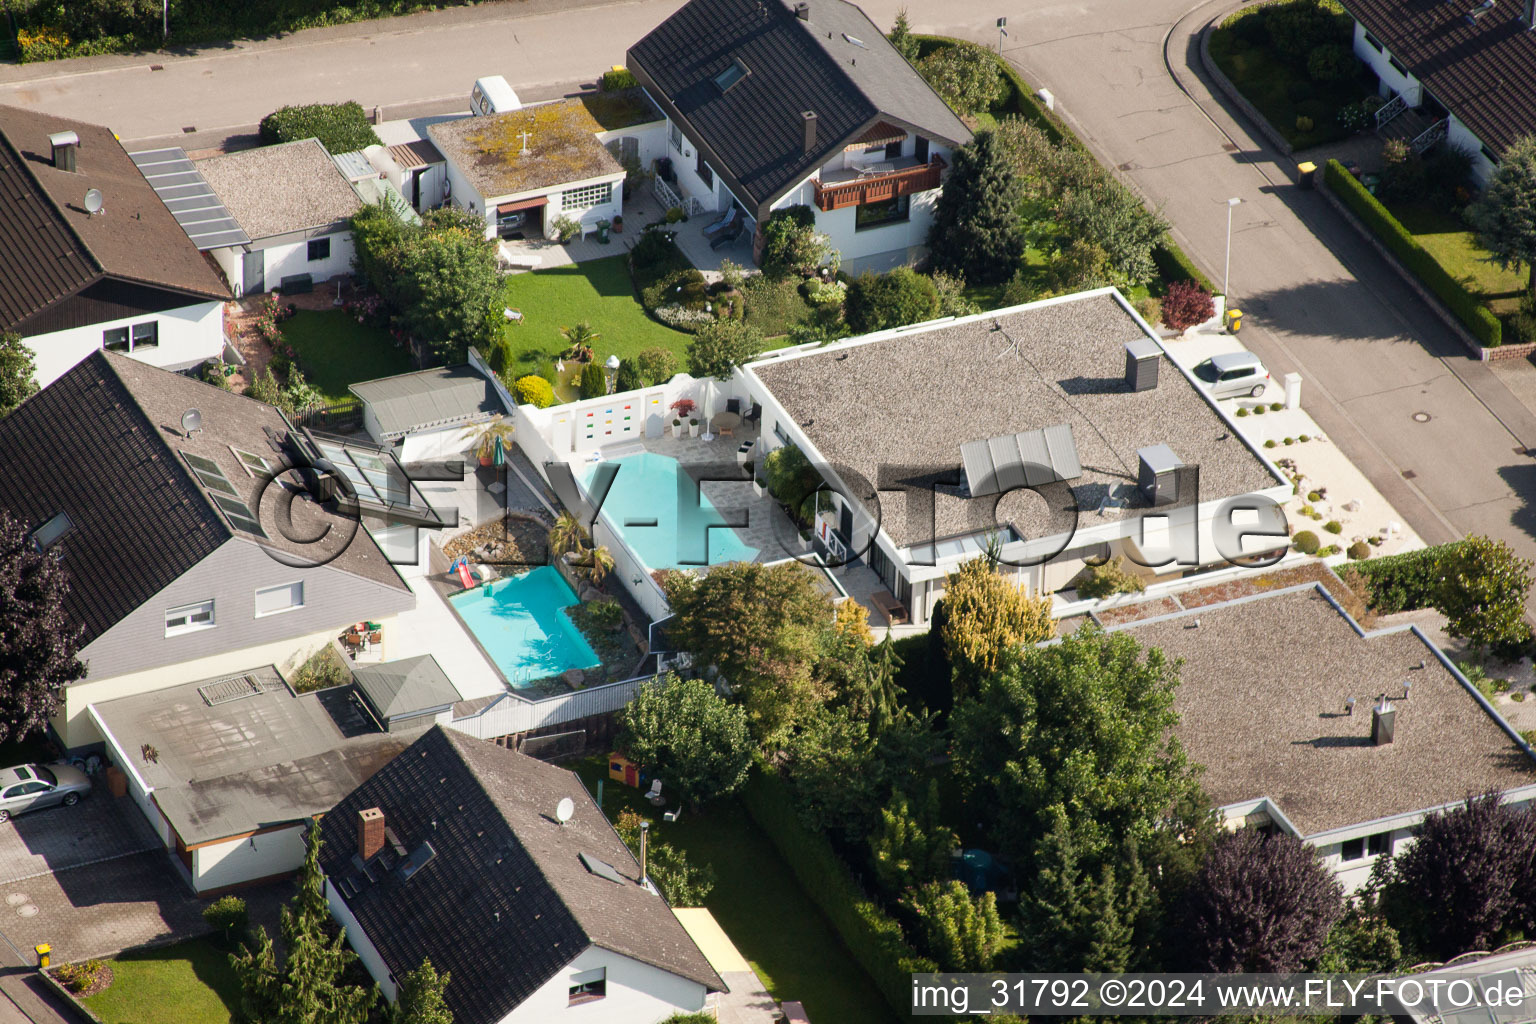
<point>466,197</point>
<point>358,939</point>
<point>1458,134</point>
<point>438,444</point>
<point>1392,80</point>
<point>714,197</point>
<point>651,138</point>
<point>188,336</point>
<point>588,215</point>
<point>637,993</point>
<point>244,860</point>
<point>287,259</point>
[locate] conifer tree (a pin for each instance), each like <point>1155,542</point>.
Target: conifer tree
<point>911,846</point>
<point>977,230</point>
<point>961,932</point>
<point>420,998</point>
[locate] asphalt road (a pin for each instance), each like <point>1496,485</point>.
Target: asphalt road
<point>1125,74</point>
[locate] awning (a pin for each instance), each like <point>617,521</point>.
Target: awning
<point>881,133</point>
<point>523,204</point>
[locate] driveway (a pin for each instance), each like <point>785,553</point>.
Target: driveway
<point>97,828</point>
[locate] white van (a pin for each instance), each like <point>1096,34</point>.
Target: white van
<point>493,96</point>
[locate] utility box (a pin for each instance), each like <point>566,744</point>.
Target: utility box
<point>1141,362</point>
<point>1383,722</point>
<point>1159,474</point>
<point>1306,174</point>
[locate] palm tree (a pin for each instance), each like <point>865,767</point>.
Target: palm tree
<point>580,338</point>
<point>599,565</point>
<point>566,535</point>
<point>496,429</point>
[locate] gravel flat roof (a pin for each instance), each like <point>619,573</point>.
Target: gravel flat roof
<point>562,146</point>
<point>913,399</point>
<point>1261,701</point>
<point>272,190</point>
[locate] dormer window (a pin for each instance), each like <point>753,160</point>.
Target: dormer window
<point>51,532</point>
<point>731,75</point>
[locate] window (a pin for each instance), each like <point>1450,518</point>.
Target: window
<point>893,150</point>
<point>675,136</point>
<point>146,335</point>
<point>1373,42</point>
<point>588,986</point>
<point>873,215</point>
<point>115,339</point>
<point>1352,849</point>
<point>51,532</point>
<point>920,149</point>
<point>189,617</point>
<point>254,464</point>
<point>1366,846</point>
<point>706,175</point>
<point>731,75</point>
<point>283,598</point>
<point>319,249</point>
<point>224,494</point>
<point>1397,65</point>
<point>586,197</point>
<point>130,339</point>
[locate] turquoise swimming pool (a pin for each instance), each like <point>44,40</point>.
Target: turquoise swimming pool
<point>657,508</point>
<point>521,623</point>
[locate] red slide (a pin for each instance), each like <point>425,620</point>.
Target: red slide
<point>464,577</point>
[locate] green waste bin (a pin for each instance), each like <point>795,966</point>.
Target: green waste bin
<point>1234,320</point>
<point>602,231</point>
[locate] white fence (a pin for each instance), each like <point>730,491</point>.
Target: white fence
<point>514,714</point>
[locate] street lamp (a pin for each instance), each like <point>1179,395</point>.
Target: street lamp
<point>1227,273</point>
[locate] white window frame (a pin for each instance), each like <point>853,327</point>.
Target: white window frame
<point>675,137</point>
<point>587,197</point>
<point>185,613</point>
<point>243,456</point>
<point>273,589</point>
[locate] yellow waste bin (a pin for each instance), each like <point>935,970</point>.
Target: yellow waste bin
<point>43,950</point>
<point>1234,320</point>
<point>1305,173</point>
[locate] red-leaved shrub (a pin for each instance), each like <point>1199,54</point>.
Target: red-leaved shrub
<point>1185,305</point>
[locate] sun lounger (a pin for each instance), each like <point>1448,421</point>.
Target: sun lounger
<point>894,611</point>
<point>727,236</point>
<point>724,224</point>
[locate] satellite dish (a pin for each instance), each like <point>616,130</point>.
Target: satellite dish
<point>564,809</point>
<point>93,201</point>
<point>191,420</point>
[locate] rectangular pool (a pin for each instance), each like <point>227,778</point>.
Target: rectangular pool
<point>658,509</point>
<point>521,623</point>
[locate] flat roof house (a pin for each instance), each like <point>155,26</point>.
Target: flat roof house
<point>429,413</point>
<point>188,557</point>
<point>1456,71</point>
<point>929,433</point>
<point>1264,703</point>
<point>294,204</point>
<point>90,258</point>
<point>799,102</point>
<point>455,851</point>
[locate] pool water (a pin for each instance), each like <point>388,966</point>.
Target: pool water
<point>522,624</point>
<point>663,517</point>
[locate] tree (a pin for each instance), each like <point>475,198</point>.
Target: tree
<point>966,75</point>
<point>901,37</point>
<point>988,616</point>
<point>1113,217</point>
<point>1186,305</point>
<point>687,734</point>
<point>1505,213</point>
<point>1079,919</point>
<point>977,231</point>
<point>682,884</point>
<point>1081,264</point>
<point>881,667</point>
<point>1482,590</point>
<point>38,641</point>
<point>419,999</point>
<point>911,845</point>
<point>18,372</point>
<point>264,388</point>
<point>1363,941</point>
<point>1084,726</point>
<point>628,377</point>
<point>791,243</point>
<point>656,365</point>
<point>961,932</point>
<point>722,345</point>
<point>902,296</point>
<point>566,535</point>
<point>228,916</point>
<point>594,382</point>
<point>1263,903</point>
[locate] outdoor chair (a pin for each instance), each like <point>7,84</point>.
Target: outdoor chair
<point>727,236</point>
<point>514,315</point>
<point>724,224</point>
<point>654,794</point>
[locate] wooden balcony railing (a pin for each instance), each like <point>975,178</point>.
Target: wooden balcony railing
<point>879,188</point>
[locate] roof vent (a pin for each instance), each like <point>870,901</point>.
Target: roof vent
<point>1159,474</point>
<point>808,117</point>
<point>803,11</point>
<point>64,145</point>
<point>1383,721</point>
<point>1481,9</point>
<point>1141,362</point>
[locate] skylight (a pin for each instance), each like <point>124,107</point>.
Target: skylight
<point>856,41</point>
<point>601,868</point>
<point>224,494</point>
<point>51,532</point>
<point>731,75</point>
<point>254,464</point>
<point>416,861</point>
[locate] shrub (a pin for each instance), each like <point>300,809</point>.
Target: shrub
<point>594,382</point>
<point>1314,495</point>
<point>1269,444</point>
<point>605,613</point>
<point>501,356</point>
<point>1332,62</point>
<point>965,75</point>
<point>1400,583</point>
<point>535,391</point>
<point>657,365</point>
<point>1298,27</point>
<point>1150,310</point>
<point>1290,440</point>
<point>81,976</point>
<point>1186,305</point>
<point>1173,265</point>
<point>791,243</point>
<point>340,127</point>
<point>1334,526</point>
<point>1304,438</point>
<point>628,378</point>
<point>1259,410</point>
<point>566,228</point>
<point>1021,288</point>
<point>1465,306</point>
<point>1327,550</point>
<point>1111,578</point>
<point>323,670</point>
<point>1304,123</point>
<point>1482,593</point>
<point>1083,264</point>
<point>1306,542</point>
<point>878,301</point>
<point>227,915</point>
<point>618,79</point>
<point>1276,406</point>
<point>1242,410</point>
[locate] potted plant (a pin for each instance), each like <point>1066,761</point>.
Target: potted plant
<point>677,428</point>
<point>618,224</point>
<point>693,426</point>
<point>497,428</point>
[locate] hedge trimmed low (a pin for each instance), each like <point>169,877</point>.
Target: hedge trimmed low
<point>340,127</point>
<point>1401,583</point>
<point>1173,265</point>
<point>873,939</point>
<point>1466,307</point>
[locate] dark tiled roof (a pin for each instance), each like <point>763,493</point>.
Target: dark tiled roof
<point>755,127</point>
<point>50,247</point>
<point>506,902</point>
<point>1485,73</point>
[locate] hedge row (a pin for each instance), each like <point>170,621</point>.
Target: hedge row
<point>340,127</point>
<point>1399,583</point>
<point>873,939</point>
<point>1173,265</point>
<point>1468,308</point>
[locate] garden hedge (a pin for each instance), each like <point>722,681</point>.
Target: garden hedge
<point>340,127</point>
<point>1400,583</point>
<point>873,939</point>
<point>1173,265</point>
<point>1466,307</point>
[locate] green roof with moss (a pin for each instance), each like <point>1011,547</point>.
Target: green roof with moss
<point>562,148</point>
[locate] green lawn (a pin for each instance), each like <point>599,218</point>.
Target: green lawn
<point>1454,246</point>
<point>334,350</point>
<point>597,291</point>
<point>761,907</point>
<point>188,983</point>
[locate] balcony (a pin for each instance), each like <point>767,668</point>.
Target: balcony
<point>840,189</point>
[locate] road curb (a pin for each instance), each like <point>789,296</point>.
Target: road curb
<point>1240,101</point>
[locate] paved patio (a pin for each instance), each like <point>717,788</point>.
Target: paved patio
<point>641,207</point>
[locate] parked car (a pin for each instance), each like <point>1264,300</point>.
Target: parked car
<point>492,95</point>
<point>1233,373</point>
<point>29,787</point>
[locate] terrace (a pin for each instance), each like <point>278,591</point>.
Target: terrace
<point>877,183</point>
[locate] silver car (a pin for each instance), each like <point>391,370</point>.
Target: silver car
<point>29,787</point>
<point>1233,373</point>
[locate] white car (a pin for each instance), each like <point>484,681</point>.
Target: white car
<point>1232,374</point>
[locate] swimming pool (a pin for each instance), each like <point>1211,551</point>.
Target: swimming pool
<point>521,623</point>
<point>658,510</point>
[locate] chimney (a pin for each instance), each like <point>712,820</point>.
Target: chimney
<point>809,117</point>
<point>1141,361</point>
<point>645,832</point>
<point>1383,721</point>
<point>64,146</point>
<point>803,11</point>
<point>370,832</point>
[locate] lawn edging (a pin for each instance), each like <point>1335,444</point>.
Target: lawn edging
<point>872,938</point>
<point>64,993</point>
<point>1231,91</point>
<point>1473,323</point>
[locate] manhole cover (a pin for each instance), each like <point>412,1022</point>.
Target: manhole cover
<point>16,899</point>
<point>29,910</point>
<point>1421,417</point>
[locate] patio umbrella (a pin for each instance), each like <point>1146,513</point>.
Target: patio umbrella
<point>499,456</point>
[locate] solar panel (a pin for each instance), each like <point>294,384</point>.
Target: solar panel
<point>601,868</point>
<point>1063,449</point>
<point>1037,459</point>
<point>1005,462</point>
<point>180,185</point>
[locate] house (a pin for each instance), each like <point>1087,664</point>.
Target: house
<point>430,413</point>
<point>230,770</point>
<point>1277,698</point>
<point>463,852</point>
<point>190,553</point>
<point>777,103</point>
<point>294,204</point>
<point>1458,71</point>
<point>926,432</point>
<point>91,259</point>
